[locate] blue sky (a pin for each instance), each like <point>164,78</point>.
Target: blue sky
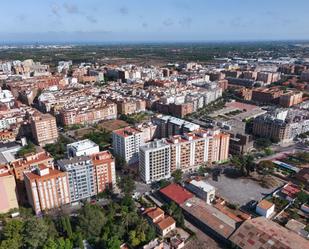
<point>153,20</point>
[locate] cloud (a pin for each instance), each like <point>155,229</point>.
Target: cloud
<point>168,22</point>
<point>124,10</point>
<point>91,19</point>
<point>55,9</point>
<point>22,17</point>
<point>185,22</point>
<point>71,8</point>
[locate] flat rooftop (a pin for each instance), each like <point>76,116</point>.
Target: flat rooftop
<point>202,185</point>
<point>82,145</point>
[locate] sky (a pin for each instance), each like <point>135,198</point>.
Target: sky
<point>153,20</point>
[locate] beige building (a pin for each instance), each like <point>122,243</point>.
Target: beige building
<point>8,197</point>
<point>44,129</point>
<point>47,188</point>
<point>290,99</point>
<point>104,170</point>
<point>189,151</point>
<point>219,146</point>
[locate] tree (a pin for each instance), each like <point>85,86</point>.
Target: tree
<point>244,163</point>
<point>127,185</point>
<point>91,219</point>
<point>134,241</point>
<point>29,148</point>
<point>266,167</point>
<point>113,243</point>
<point>302,197</point>
<point>66,226</point>
<point>201,170</point>
<point>268,151</point>
<point>177,175</point>
<point>51,228</point>
<point>263,142</point>
<point>78,240</point>
<point>35,233</point>
<point>120,162</point>
<point>12,235</point>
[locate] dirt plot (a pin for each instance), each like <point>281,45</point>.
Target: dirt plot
<point>240,190</point>
<point>112,125</point>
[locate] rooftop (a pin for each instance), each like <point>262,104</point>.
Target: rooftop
<point>166,222</point>
<point>126,132</point>
<point>210,216</point>
<point>264,204</point>
<point>202,185</point>
<point>154,213</point>
<point>263,233</point>
<point>82,145</point>
<point>176,193</point>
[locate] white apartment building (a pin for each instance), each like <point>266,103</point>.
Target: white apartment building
<point>126,143</point>
<point>154,163</point>
<point>82,148</point>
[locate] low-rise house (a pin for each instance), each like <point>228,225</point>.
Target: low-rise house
<point>290,191</point>
<point>164,224</point>
<point>265,208</point>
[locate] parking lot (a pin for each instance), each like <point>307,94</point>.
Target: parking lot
<point>239,190</point>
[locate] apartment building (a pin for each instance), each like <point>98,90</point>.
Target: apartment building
<point>30,162</point>
<point>290,99</point>
<point>268,77</point>
<point>130,106</point>
<point>218,146</point>
<point>271,127</point>
<point>8,195</point>
<point>47,188</point>
<point>104,170</point>
<point>44,129</point>
<point>267,95</point>
<point>126,143</point>
<point>88,114</point>
<point>81,177</point>
<point>189,151</point>
<point>170,126</point>
<point>154,163</point>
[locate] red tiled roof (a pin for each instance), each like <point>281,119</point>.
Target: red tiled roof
<point>176,193</point>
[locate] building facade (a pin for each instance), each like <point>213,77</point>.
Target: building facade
<point>8,190</point>
<point>154,163</point>
<point>47,188</point>
<point>81,178</point>
<point>126,143</point>
<point>44,129</point>
<point>104,170</point>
